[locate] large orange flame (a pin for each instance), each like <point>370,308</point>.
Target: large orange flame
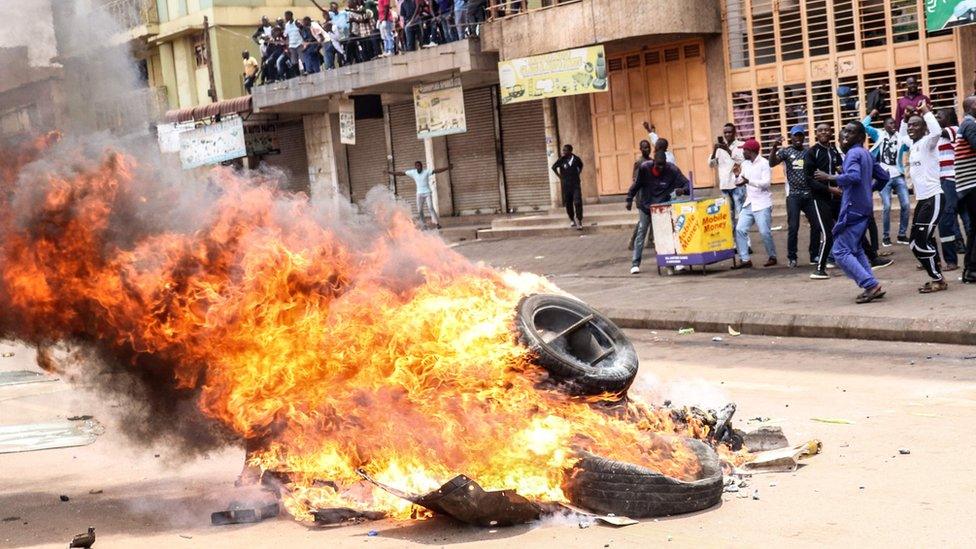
<point>396,355</point>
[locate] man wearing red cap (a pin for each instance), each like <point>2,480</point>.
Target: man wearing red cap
<point>756,176</point>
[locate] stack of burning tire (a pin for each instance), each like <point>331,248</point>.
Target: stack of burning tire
<point>586,354</point>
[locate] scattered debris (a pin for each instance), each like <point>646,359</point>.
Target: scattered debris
<point>10,519</point>
<point>95,492</point>
<point>79,418</point>
<point>584,522</point>
<point>686,331</point>
<point>781,460</point>
<point>242,514</point>
<point>765,438</point>
<point>904,451</point>
<point>723,421</point>
<point>43,436</point>
<point>540,257</point>
<point>755,494</point>
<point>63,497</point>
<point>614,520</point>
<point>344,515</point>
<point>758,419</point>
<point>372,533</point>
<point>7,354</point>
<point>83,540</point>
<point>732,488</point>
<point>733,332</point>
<point>186,536</point>
<point>835,420</point>
<point>717,338</point>
<point>772,484</point>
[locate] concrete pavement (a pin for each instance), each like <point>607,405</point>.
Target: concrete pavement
<point>775,301</point>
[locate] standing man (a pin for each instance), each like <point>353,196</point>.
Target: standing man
<point>921,133</point>
<point>966,182</point>
<point>645,155</point>
<point>823,156</point>
<point>799,198</point>
<point>913,99</point>
<point>568,168</point>
<point>654,184</point>
<point>886,144</point>
<point>858,172</point>
<point>755,175</point>
<point>726,155</point>
<point>312,36</point>
<point>250,71</point>
<point>948,223</point>
<point>293,34</point>
<point>421,178</point>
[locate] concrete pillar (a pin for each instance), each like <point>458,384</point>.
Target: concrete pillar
<point>325,156</point>
<point>966,54</point>
<point>167,67</point>
<point>552,150</point>
<point>435,156</point>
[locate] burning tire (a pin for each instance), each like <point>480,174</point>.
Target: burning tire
<point>607,486</point>
<point>580,348</point>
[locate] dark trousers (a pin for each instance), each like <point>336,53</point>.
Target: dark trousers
<point>312,59</point>
<point>411,34</point>
<point>573,199</point>
<point>922,238</point>
<point>796,203</point>
<point>948,223</point>
<point>249,83</point>
<point>967,203</point>
<point>870,241</point>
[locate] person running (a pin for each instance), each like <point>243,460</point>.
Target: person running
<point>886,144</point>
<point>568,168</point>
<point>654,184</point>
<point>948,223</point>
<point>858,172</point>
<point>726,155</point>
<point>823,156</point>
<point>921,131</point>
<point>966,182</point>
<point>421,178</point>
<point>645,154</point>
<point>755,175</point>
<point>799,198</point>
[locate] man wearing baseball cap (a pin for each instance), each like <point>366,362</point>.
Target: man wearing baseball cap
<point>756,176</point>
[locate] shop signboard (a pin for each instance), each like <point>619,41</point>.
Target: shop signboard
<point>943,14</point>
<point>213,143</point>
<point>568,72</point>
<point>439,108</point>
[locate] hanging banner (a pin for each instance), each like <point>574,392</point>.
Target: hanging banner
<point>569,72</point>
<point>168,135</point>
<point>213,144</point>
<point>942,14</point>
<point>347,122</point>
<point>439,108</point>
<point>261,139</point>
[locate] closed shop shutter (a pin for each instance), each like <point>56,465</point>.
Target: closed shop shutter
<point>474,176</point>
<point>293,159</point>
<point>524,152</point>
<point>367,158</point>
<point>407,149</point>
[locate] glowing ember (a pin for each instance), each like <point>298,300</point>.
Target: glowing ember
<point>335,350</point>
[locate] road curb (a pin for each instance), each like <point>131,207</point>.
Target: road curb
<point>917,330</point>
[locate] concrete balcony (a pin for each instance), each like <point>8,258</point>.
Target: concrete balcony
<point>586,22</point>
<point>394,75</point>
<point>137,19</point>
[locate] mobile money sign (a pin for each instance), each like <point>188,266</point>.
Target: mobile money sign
<point>569,72</point>
<point>941,14</point>
<point>439,108</point>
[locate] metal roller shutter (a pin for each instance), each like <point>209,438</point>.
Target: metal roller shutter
<point>407,149</point>
<point>524,153</point>
<point>293,159</point>
<point>367,158</point>
<point>474,177</point>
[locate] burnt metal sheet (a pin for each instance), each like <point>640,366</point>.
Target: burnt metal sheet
<point>44,436</point>
<point>244,513</point>
<point>466,501</point>
<point>19,377</point>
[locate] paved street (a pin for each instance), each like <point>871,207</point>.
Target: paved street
<point>596,269</point>
<point>859,492</point>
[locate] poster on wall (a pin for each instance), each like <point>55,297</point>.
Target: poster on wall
<point>569,72</point>
<point>943,14</point>
<point>439,108</point>
<point>168,135</point>
<point>347,122</point>
<point>261,139</point>
<point>213,144</point>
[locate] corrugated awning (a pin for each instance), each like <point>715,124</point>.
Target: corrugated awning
<point>237,105</point>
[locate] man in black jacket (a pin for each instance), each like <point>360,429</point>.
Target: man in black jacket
<point>823,156</point>
<point>654,183</point>
<point>568,168</point>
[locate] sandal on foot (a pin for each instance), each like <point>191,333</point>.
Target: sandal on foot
<point>870,295</point>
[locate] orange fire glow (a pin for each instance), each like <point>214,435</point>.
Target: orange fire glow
<point>396,355</point>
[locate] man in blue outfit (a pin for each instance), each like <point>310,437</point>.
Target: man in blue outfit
<point>857,207</point>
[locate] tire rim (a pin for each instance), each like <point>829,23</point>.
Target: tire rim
<point>567,333</point>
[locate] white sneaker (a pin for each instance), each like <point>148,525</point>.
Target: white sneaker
<point>634,270</point>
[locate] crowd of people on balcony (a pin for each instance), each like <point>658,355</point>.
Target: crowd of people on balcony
<point>361,31</point>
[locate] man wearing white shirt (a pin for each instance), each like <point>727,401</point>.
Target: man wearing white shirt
<point>294,36</point>
<point>755,176</point>
<point>726,155</point>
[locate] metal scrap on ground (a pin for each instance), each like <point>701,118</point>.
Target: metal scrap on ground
<point>19,377</point>
<point>44,436</point>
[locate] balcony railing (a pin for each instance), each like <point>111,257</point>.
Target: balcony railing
<point>132,13</point>
<point>499,9</point>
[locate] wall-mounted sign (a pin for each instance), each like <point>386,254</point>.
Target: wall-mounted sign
<point>213,144</point>
<point>941,14</point>
<point>439,108</point>
<point>347,122</point>
<point>168,135</point>
<point>569,72</point>
<point>261,139</point>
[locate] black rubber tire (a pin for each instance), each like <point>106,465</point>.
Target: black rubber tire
<point>607,486</point>
<point>613,374</point>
